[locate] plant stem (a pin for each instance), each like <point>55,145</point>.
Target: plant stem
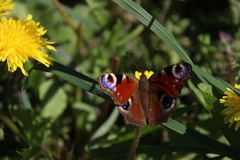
<point>64,14</point>
<point>12,126</point>
<point>135,143</point>
<point>68,20</point>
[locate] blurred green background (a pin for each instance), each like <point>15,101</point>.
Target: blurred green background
<point>43,116</point>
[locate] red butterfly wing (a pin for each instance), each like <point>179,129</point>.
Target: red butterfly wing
<point>164,87</point>
<point>170,80</point>
<point>120,86</point>
<point>124,91</point>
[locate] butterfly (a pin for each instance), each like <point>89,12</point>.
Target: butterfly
<point>146,101</point>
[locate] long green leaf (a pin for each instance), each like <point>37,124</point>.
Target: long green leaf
<point>75,78</point>
<point>237,91</point>
<point>117,152</point>
<point>212,145</point>
<point>207,144</point>
<point>149,21</point>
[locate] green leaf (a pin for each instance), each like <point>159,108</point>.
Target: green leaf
<point>122,137</point>
<point>212,145</point>
<point>34,128</point>
<point>25,99</point>
<point>88,21</point>
<point>106,126</point>
<point>197,92</point>
<point>149,21</point>
<point>237,91</point>
<point>138,30</point>
<point>28,153</point>
<point>205,97</point>
<point>129,133</point>
<point>75,78</point>
<point>213,81</point>
<point>231,135</point>
<point>207,94</point>
<point>54,98</point>
<point>120,151</point>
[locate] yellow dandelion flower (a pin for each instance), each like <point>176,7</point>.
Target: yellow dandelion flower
<point>148,74</point>
<point>5,5</point>
<point>232,111</point>
<point>21,40</point>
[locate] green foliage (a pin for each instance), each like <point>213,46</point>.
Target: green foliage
<point>28,153</point>
<point>60,113</point>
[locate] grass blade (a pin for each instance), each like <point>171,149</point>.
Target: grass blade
<point>149,21</point>
<point>117,151</point>
<point>210,144</point>
<point>75,78</point>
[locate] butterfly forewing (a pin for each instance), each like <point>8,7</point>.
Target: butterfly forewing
<point>119,86</point>
<point>125,92</point>
<point>170,79</point>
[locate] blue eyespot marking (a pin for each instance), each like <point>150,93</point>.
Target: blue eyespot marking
<point>127,105</point>
<point>166,102</point>
<point>181,70</point>
<point>108,81</point>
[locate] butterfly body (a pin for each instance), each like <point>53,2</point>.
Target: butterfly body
<point>146,101</point>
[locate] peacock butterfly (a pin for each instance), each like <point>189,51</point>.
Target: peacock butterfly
<point>146,101</point>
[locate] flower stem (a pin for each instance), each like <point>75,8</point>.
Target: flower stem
<point>135,143</point>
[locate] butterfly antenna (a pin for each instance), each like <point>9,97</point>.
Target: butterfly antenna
<point>132,61</point>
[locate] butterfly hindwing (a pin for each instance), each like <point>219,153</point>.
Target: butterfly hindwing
<point>160,106</point>
<point>133,112</point>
